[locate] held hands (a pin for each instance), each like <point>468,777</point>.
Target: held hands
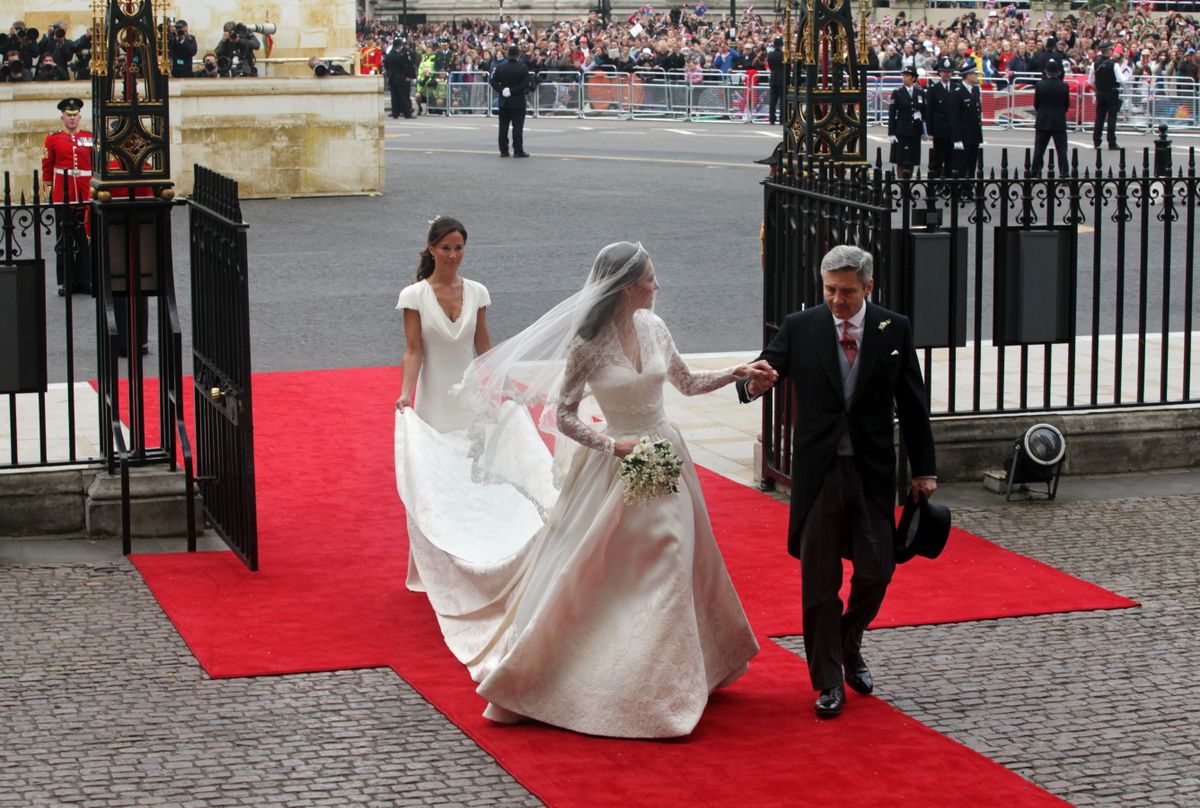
<point>762,376</point>
<point>506,92</point>
<point>403,403</point>
<point>894,139</point>
<point>923,485</point>
<point>958,146</point>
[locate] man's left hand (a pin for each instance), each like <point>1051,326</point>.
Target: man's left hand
<point>923,485</point>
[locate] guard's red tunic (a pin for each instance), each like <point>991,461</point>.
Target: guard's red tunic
<point>68,154</point>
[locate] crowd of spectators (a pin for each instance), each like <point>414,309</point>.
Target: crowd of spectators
<point>1005,41</point>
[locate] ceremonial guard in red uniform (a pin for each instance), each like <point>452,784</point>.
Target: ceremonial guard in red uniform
<point>67,177</point>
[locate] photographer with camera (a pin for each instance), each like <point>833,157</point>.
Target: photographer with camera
<point>13,68</point>
<point>56,44</point>
<point>208,67</point>
<point>235,51</point>
<point>49,70</point>
<point>182,49</point>
<point>81,66</point>
<point>322,68</point>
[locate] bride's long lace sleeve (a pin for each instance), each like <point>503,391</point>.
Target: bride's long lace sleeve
<point>581,360</point>
<point>687,381</point>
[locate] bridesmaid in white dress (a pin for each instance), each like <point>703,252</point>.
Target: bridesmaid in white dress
<point>445,327</point>
<point>571,606</point>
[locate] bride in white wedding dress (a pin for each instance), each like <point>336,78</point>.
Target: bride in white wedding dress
<point>567,604</point>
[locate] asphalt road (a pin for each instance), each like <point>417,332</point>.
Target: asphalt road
<point>325,273</point>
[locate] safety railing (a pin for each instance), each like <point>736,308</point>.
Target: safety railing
<point>744,97</point>
<point>469,93</point>
<point>1008,101</point>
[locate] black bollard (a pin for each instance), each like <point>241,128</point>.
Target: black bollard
<point>1162,153</point>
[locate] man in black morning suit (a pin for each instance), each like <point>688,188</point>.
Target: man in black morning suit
<point>511,81</point>
<point>1051,100</point>
<point>851,365</point>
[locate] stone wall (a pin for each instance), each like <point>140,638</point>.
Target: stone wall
<point>277,137</point>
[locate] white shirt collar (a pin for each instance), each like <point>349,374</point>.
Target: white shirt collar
<point>856,319</point>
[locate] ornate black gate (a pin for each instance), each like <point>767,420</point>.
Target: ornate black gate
<point>221,362</point>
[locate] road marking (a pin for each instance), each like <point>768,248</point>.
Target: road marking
<point>1081,145</point>
<point>771,135</point>
<point>554,131</point>
<point>878,139</point>
<point>681,132</point>
<point>612,158</point>
<point>434,126</point>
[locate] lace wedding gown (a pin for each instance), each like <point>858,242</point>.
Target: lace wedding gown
<point>570,606</point>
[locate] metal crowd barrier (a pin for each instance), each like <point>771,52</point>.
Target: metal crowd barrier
<point>744,97</point>
<point>469,93</point>
<point>1147,101</point>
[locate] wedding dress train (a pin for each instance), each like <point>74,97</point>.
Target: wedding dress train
<point>566,604</point>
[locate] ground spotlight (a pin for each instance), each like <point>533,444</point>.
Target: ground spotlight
<point>1037,458</point>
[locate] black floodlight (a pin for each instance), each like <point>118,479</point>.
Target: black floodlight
<point>1037,458</point>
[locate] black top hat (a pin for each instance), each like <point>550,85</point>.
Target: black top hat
<point>923,529</point>
<point>909,70</point>
<point>1054,68</point>
<point>776,156</point>
<point>70,105</point>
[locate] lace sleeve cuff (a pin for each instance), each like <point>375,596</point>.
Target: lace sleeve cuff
<point>573,427</point>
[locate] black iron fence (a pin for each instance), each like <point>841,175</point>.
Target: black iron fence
<point>45,423</point>
<point>221,362</point>
<point>1027,293</point>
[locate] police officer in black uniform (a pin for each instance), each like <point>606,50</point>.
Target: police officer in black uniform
<point>778,70</point>
<point>966,120</point>
<point>937,107</point>
<point>906,123</point>
<point>401,69</point>
<point>510,81</point>
<point>1051,100</point>
<point>1109,76</point>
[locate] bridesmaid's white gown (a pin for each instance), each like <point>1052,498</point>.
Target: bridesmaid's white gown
<point>566,604</point>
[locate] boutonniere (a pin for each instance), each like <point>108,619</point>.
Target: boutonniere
<point>885,324</point>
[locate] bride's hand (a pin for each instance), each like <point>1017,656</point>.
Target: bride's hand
<point>403,403</point>
<point>622,448</point>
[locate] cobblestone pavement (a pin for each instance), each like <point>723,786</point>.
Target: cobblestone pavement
<point>1097,707</point>
<point>101,704</point>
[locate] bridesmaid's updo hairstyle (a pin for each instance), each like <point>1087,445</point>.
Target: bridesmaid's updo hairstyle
<point>439,228</point>
<point>617,266</point>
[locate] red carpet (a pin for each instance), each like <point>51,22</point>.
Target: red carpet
<point>330,595</point>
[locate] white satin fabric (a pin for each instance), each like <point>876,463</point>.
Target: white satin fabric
<point>605,618</point>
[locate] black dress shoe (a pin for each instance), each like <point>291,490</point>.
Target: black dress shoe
<point>1112,147</point>
<point>62,292</point>
<point>829,703</point>
<point>858,676</point>
<point>504,154</point>
<point>521,154</point>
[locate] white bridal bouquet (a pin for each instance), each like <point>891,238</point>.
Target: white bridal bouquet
<point>650,470</point>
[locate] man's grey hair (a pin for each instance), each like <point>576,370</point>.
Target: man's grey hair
<point>844,257</point>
